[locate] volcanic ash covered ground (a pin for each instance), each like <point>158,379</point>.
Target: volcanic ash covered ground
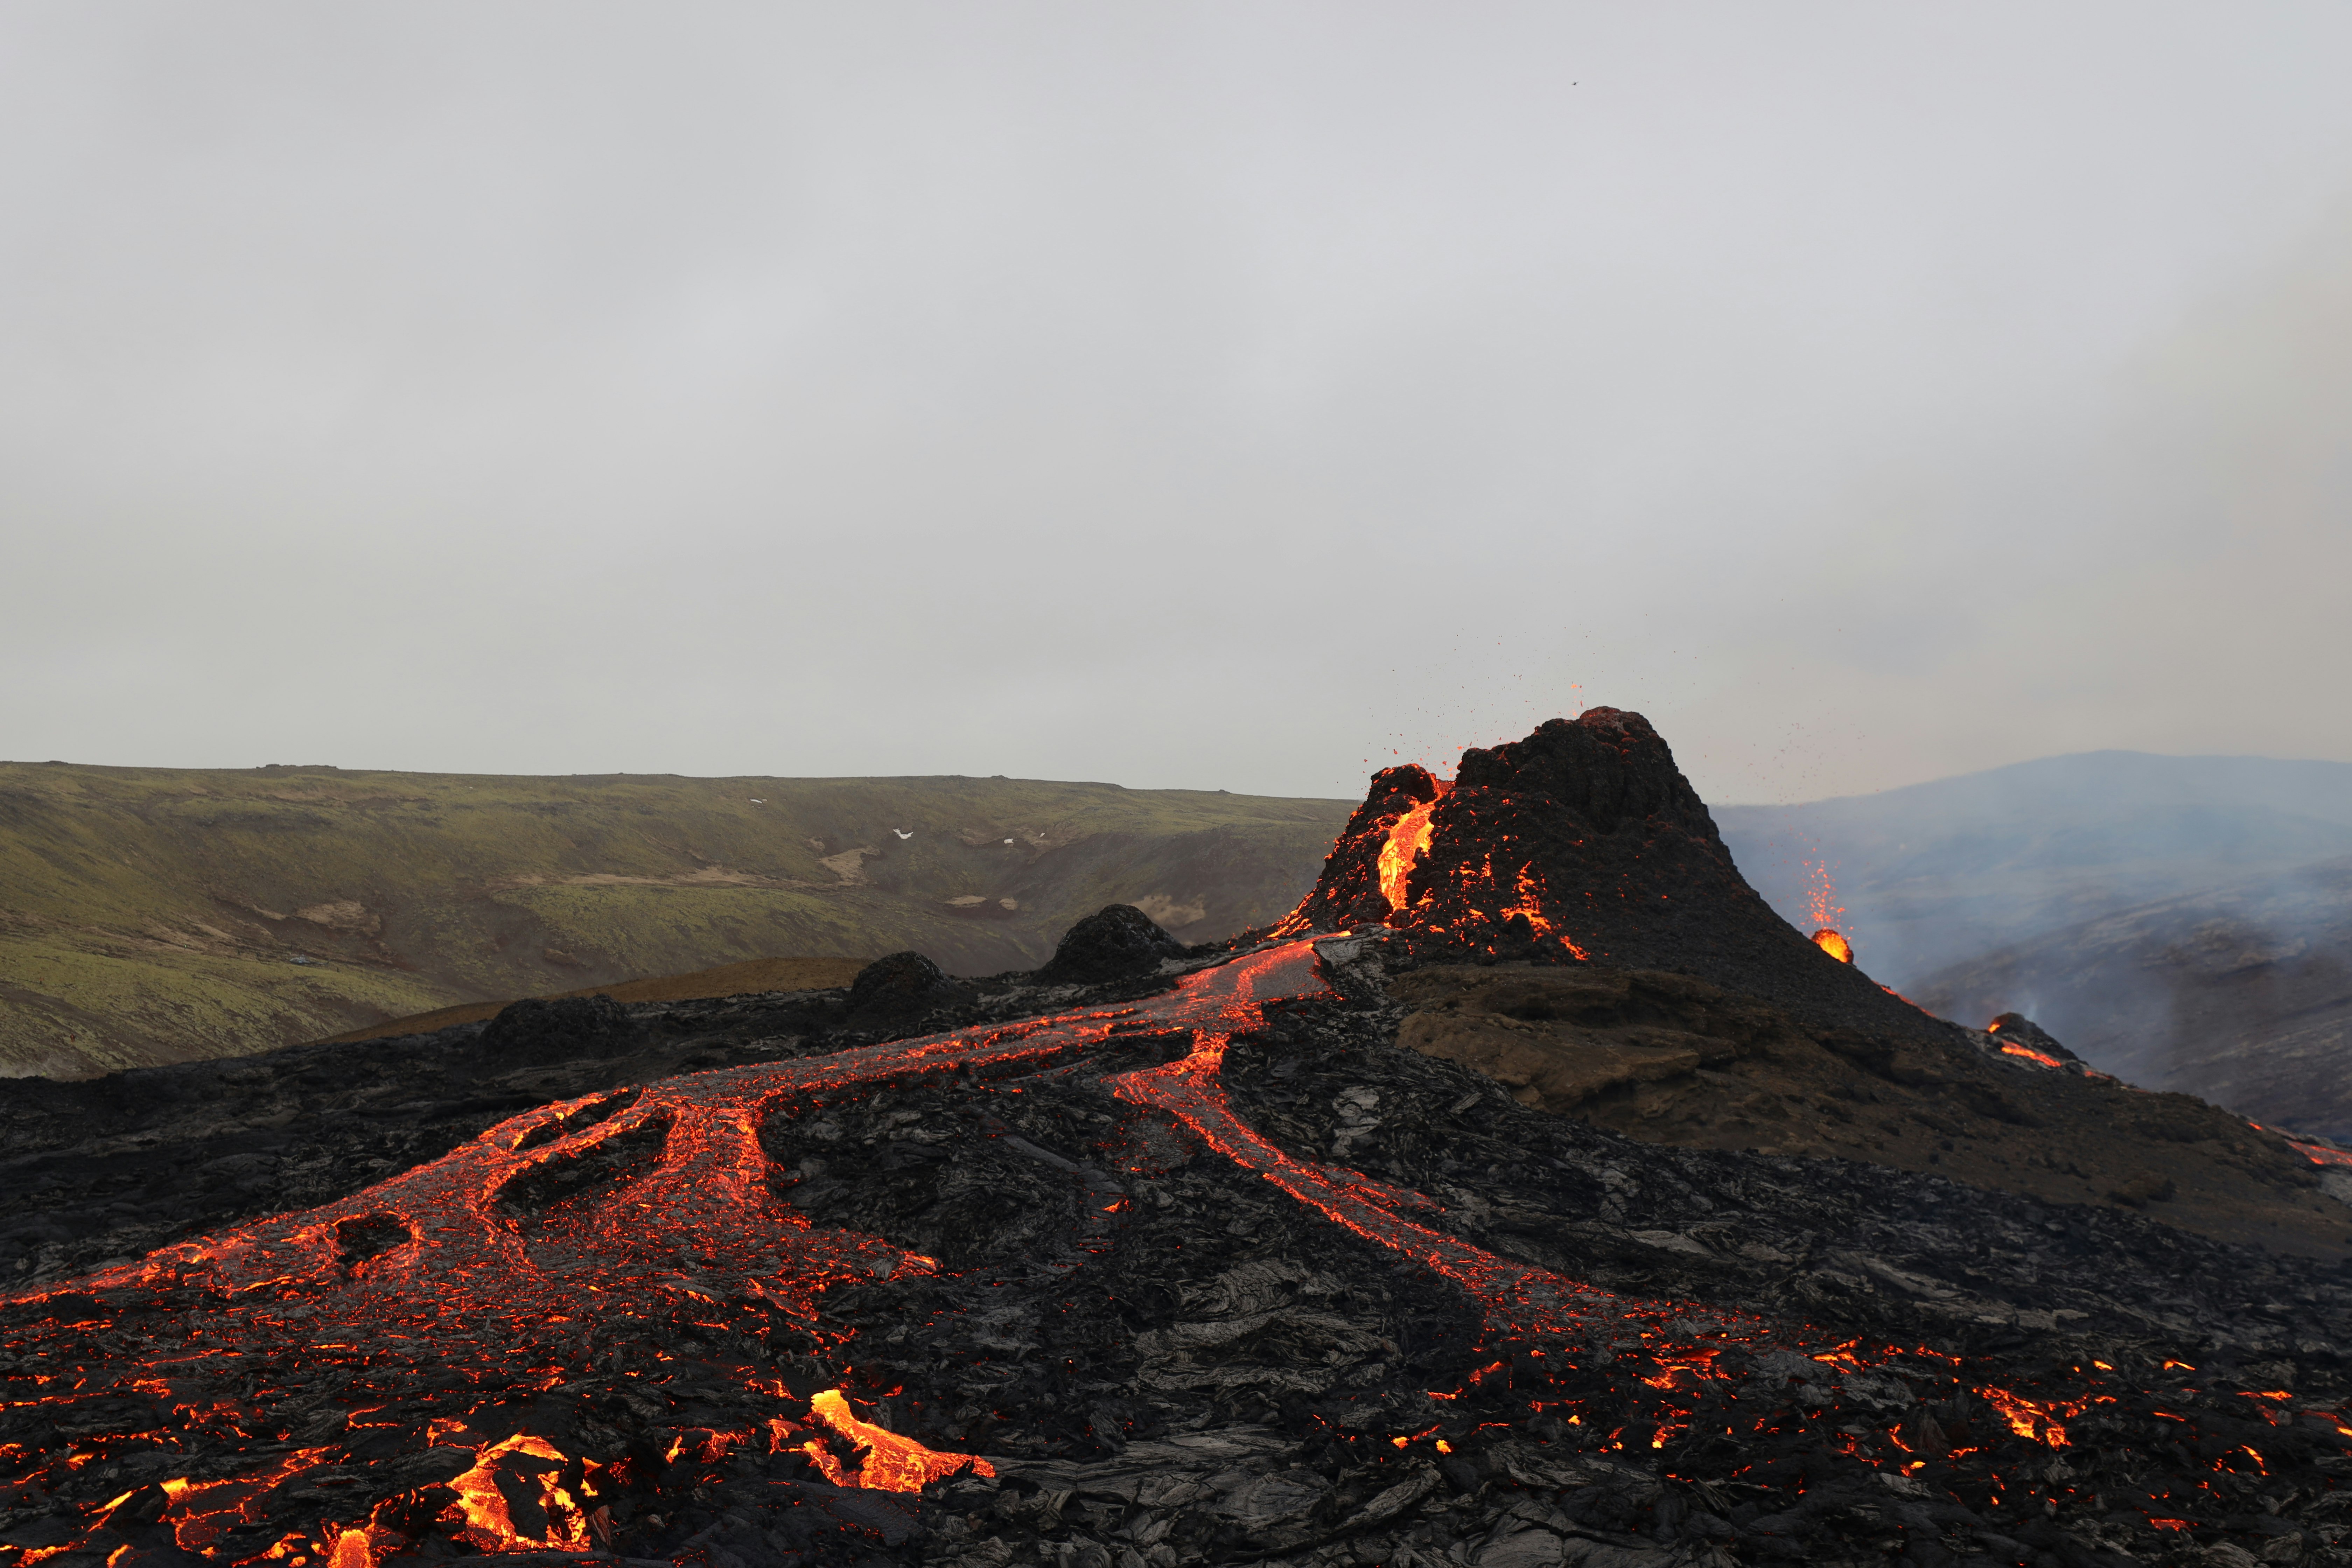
<point>1156,1257</point>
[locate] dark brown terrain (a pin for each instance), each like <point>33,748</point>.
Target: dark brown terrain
<point>756,975</point>
<point>2183,922</point>
<point>1670,1060</point>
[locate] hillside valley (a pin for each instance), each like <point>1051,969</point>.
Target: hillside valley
<point>154,914</point>
<point>2183,922</point>
<point>2241,994</point>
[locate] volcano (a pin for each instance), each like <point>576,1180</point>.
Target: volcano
<point>1156,1256</point>
<point>1581,843</point>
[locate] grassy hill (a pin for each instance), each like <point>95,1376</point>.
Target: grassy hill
<point>753,975</point>
<point>157,914</point>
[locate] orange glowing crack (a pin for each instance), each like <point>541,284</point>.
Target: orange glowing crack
<point>2027,1419</point>
<point>1530,905</point>
<point>893,1463</point>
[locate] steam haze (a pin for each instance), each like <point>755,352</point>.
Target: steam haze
<point>1202,396</point>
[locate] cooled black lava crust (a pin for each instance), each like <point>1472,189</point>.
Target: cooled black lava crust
<point>1168,1359</point>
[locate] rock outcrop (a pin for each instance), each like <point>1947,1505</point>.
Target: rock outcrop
<point>1112,943</point>
<point>897,986</point>
<point>558,1028</point>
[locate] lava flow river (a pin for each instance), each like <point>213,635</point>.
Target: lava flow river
<point>423,1316</point>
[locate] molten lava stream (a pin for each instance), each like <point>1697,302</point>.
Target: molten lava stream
<point>1407,837</point>
<point>1517,1297</point>
<point>474,1301</point>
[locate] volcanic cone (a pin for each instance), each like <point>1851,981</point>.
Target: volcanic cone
<point>1581,843</point>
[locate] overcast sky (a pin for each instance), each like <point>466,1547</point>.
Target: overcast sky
<point>1231,395</point>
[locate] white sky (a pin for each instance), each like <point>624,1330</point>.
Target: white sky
<point>1203,394</point>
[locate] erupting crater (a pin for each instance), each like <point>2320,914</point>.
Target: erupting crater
<point>1581,843</point>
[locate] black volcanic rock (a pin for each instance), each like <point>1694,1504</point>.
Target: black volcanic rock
<point>1233,1271</point>
<point>2017,1028</point>
<point>551,1028</point>
<point>900,986</point>
<point>1149,1342</point>
<point>1584,842</point>
<point>1115,941</point>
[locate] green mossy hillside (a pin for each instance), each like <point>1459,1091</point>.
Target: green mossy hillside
<point>155,914</point>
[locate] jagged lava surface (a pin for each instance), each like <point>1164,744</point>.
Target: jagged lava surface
<point>1191,1264</point>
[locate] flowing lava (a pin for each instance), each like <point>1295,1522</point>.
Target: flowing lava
<point>1829,940</point>
<point>1405,842</point>
<point>2318,1153</point>
<point>433,1300</point>
<point>403,1374</point>
<point>893,1463</point>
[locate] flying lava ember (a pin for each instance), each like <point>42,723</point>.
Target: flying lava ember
<point>1820,900</point>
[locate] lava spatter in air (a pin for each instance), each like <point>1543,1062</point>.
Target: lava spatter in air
<point>1820,900</point>
<point>1821,894</point>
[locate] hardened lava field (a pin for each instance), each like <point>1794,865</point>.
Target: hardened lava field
<point>1189,1267</point>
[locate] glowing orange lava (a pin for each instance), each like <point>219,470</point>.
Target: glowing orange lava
<point>1830,942</point>
<point>519,1477</point>
<point>1530,908</point>
<point>499,1296</point>
<point>2033,1421</point>
<point>893,1463</point>
<point>1406,839</point>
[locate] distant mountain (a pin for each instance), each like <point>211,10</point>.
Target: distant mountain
<point>2183,922</point>
<point>1940,874</point>
<point>151,915</point>
<point>2242,995</point>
